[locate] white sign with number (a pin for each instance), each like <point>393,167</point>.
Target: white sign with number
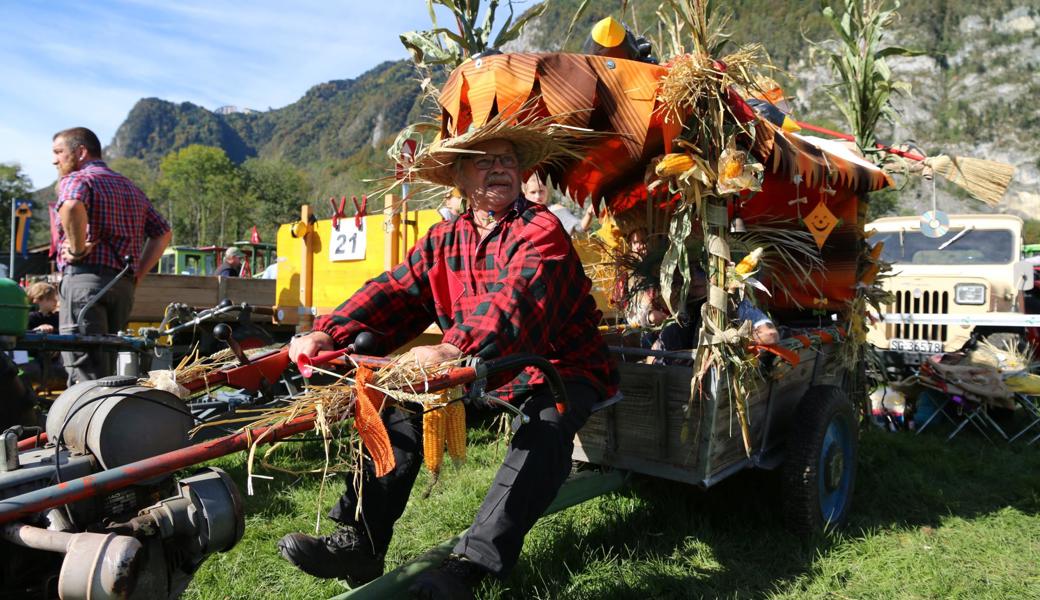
<point>348,243</point>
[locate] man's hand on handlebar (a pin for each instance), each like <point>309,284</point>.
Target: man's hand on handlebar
<point>310,344</point>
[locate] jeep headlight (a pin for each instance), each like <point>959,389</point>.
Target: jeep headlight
<point>969,293</point>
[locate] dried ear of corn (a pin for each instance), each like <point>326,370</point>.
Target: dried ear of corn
<point>370,425</point>
<point>675,164</point>
<point>749,262</point>
<point>455,430</point>
<point>433,439</point>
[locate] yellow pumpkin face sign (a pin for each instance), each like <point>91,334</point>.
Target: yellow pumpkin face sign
<point>820,223</point>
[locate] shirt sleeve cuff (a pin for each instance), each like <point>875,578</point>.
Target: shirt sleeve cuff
<point>341,335</point>
<point>459,339</point>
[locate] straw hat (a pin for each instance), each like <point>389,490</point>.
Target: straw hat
<point>535,140</point>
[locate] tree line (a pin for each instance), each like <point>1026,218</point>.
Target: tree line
<point>206,197</point>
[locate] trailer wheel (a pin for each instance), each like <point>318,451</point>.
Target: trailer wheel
<point>820,465</point>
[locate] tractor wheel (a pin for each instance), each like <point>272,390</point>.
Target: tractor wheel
<point>819,468</point>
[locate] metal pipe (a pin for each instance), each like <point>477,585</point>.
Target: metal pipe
<point>577,489</point>
<point>30,503</point>
<point>36,537</point>
<point>518,361</point>
<point>33,442</point>
<point>644,352</point>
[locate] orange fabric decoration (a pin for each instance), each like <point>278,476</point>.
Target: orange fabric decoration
<point>785,353</point>
<point>568,84</point>
<point>369,425</point>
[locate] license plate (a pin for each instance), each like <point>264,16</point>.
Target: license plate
<point>926,346</point>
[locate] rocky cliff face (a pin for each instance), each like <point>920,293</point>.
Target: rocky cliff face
<point>977,98</point>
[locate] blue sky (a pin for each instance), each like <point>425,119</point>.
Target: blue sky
<point>65,63</point>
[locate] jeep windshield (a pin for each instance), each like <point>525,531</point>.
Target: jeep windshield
<point>971,247</point>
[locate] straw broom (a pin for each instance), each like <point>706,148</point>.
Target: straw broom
<point>986,180</point>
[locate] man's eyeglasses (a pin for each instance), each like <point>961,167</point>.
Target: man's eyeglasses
<point>486,161</point>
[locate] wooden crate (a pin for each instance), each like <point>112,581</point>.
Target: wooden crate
<point>650,431</point>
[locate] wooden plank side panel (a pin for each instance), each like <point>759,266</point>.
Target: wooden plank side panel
<point>157,291</point>
<point>789,385</point>
<point>643,432</point>
<point>728,442</point>
<point>257,292</point>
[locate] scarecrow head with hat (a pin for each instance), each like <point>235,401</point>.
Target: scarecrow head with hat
<point>488,164</point>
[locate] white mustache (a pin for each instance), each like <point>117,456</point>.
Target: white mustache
<point>499,180</point>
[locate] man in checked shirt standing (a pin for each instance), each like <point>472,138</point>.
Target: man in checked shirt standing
<point>103,217</point>
<point>499,279</point>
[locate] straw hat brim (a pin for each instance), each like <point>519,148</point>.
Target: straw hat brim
<point>436,162</point>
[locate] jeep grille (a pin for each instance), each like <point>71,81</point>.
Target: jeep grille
<point>930,303</point>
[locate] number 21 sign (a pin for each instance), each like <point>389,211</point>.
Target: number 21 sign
<point>348,242</point>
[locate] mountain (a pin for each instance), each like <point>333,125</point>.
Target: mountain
<point>973,95</point>
<point>336,132</point>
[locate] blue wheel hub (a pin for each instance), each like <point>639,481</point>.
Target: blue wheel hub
<point>834,470</point>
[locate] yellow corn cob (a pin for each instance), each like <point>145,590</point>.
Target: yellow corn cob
<point>433,439</point>
<point>749,262</point>
<point>455,430</point>
<point>674,164</point>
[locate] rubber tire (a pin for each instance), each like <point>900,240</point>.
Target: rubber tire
<point>824,416</point>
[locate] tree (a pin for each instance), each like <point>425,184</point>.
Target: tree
<point>14,185</point>
<point>138,171</point>
<point>275,189</point>
<point>202,189</point>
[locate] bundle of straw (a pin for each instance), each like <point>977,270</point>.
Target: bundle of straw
<point>986,180</point>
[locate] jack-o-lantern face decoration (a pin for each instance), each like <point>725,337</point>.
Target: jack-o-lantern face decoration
<point>820,223</point>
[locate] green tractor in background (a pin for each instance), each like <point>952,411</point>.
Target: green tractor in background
<point>205,260</point>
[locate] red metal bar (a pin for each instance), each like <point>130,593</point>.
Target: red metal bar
<point>269,367</point>
<point>852,138</point>
<point>33,442</point>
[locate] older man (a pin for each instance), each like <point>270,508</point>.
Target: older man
<point>232,265</point>
<point>103,218</point>
<point>501,278</point>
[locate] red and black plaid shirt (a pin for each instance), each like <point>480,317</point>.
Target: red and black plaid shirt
<point>520,290</point>
<point>119,215</point>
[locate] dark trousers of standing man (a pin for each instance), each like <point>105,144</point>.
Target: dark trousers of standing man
<point>537,463</point>
<point>80,283</point>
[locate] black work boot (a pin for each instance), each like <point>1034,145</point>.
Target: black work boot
<point>454,579</point>
<point>343,554</point>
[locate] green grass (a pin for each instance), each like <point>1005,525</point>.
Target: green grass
<point>930,520</point>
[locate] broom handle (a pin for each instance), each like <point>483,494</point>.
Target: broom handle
<point>845,136</point>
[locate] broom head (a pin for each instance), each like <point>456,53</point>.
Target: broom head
<point>986,180</point>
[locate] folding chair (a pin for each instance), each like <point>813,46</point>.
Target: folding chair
<point>974,412</point>
<point>1032,412</point>
<point>939,410</point>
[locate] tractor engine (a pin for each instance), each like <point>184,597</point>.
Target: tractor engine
<point>142,541</point>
